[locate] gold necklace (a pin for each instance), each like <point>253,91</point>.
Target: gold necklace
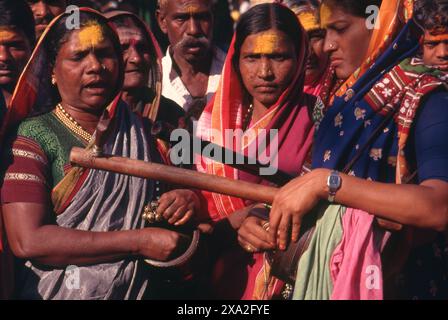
<point>71,123</point>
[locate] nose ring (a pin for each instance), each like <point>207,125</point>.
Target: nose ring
<point>332,46</point>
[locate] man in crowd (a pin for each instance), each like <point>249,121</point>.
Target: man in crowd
<point>192,65</point>
<point>16,42</point>
<point>432,15</point>
<point>44,11</point>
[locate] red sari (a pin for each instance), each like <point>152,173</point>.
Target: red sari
<point>238,275</point>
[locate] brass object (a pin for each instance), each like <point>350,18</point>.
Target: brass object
<point>249,248</point>
<point>287,292</point>
<point>150,213</point>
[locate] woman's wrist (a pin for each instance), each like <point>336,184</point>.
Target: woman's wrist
<point>321,186</point>
<point>138,242</point>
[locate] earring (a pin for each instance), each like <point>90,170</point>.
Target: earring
<point>53,81</point>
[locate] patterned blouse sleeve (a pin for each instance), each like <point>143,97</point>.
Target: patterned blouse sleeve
<point>431,138</point>
<point>26,172</point>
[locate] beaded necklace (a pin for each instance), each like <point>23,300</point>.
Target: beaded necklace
<point>71,123</point>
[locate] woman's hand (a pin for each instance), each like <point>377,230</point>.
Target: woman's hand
<point>161,244</point>
<point>292,202</point>
<point>178,206</point>
<point>253,235</point>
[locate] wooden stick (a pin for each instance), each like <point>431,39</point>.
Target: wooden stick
<point>173,175</point>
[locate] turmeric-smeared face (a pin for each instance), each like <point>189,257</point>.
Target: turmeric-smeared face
<point>267,63</point>
<point>435,50</point>
<point>86,69</point>
<point>15,51</point>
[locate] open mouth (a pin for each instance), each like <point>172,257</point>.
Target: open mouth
<point>96,87</point>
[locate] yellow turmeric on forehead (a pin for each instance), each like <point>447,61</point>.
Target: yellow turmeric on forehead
<point>192,9</point>
<point>90,36</point>
<point>308,20</point>
<point>325,14</point>
<point>6,34</point>
<point>266,43</point>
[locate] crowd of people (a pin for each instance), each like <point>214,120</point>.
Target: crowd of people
<point>353,89</point>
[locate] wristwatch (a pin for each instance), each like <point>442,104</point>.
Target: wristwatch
<point>334,182</point>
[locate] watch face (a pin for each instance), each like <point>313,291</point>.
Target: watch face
<point>334,181</point>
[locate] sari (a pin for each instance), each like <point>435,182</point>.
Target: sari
<point>243,275</point>
<point>82,199</point>
<point>387,90</point>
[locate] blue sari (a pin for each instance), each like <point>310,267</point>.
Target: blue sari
<point>389,95</point>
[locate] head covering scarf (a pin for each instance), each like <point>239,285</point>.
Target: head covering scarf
<point>387,89</point>
<point>155,79</point>
<point>89,200</point>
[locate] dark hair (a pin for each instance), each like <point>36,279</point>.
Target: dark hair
<point>263,17</point>
<point>431,14</point>
<point>354,7</point>
<point>59,34</point>
<point>17,14</point>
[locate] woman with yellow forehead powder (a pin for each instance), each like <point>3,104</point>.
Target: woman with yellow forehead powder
<point>80,233</point>
<point>318,73</point>
<point>261,89</point>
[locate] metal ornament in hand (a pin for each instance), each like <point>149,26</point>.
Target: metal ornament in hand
<point>150,213</point>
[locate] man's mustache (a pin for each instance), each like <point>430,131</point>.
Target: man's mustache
<point>189,41</point>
